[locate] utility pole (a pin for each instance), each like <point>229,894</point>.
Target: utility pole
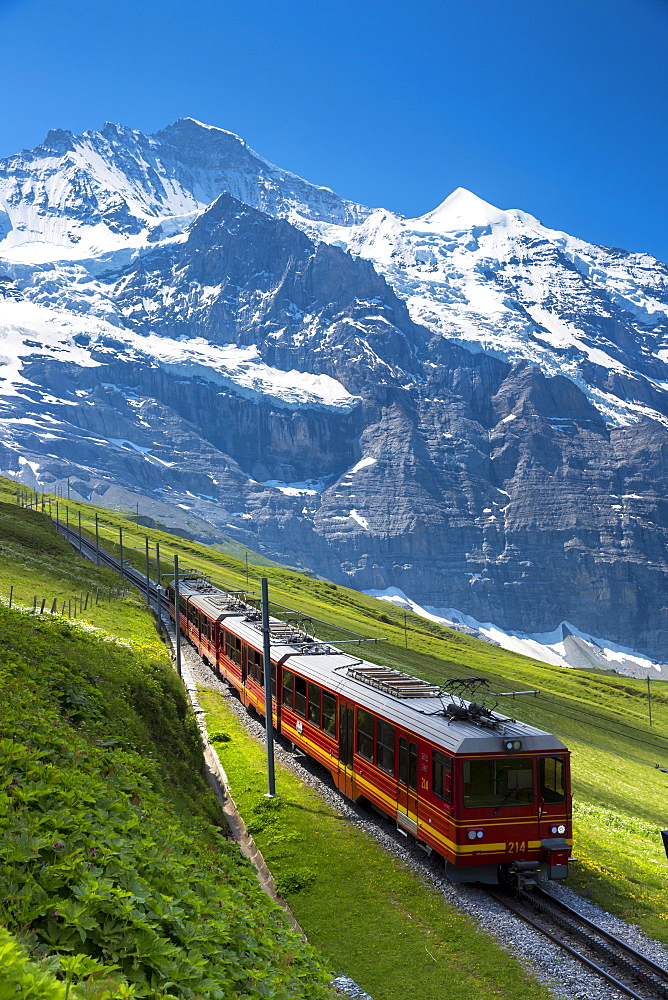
<point>177,614</point>
<point>148,577</point>
<point>159,579</point>
<point>266,669</point>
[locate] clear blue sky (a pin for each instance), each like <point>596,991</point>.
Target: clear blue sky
<point>558,108</point>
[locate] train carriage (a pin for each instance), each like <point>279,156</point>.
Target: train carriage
<point>488,793</point>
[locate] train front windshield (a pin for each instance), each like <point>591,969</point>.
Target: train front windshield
<point>498,781</point>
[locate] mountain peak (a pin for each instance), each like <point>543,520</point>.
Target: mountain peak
<point>191,126</point>
<point>462,210</point>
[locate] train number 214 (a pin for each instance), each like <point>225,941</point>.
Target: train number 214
<point>516,846</point>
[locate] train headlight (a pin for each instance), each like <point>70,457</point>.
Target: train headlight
<point>512,744</point>
<point>479,834</point>
<point>561,828</point>
<point>471,834</point>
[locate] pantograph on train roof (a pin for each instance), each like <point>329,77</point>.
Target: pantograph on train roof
<point>297,631</point>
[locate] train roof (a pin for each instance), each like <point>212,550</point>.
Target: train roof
<point>409,703</point>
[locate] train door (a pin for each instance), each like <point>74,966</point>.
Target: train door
<point>407,785</point>
<point>346,747</point>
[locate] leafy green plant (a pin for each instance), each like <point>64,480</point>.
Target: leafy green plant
<point>110,857</point>
<point>218,736</point>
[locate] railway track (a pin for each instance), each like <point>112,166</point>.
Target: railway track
<point>603,953</point>
<point>88,549</point>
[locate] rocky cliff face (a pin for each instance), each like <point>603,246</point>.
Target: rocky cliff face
<point>465,413</point>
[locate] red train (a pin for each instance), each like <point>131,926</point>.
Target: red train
<point>489,794</point>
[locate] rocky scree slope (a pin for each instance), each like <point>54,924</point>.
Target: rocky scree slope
<point>455,406</point>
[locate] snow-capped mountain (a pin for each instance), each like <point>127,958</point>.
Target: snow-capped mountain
<point>500,282</point>
<point>467,406</point>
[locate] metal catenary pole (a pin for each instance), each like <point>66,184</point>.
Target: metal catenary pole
<point>177,614</point>
<point>80,540</point>
<point>97,540</point>
<point>148,575</point>
<point>159,579</point>
<point>266,668</point>
<point>649,701</point>
<point>120,543</point>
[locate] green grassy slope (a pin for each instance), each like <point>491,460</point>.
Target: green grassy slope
<point>621,799</point>
<point>114,857</point>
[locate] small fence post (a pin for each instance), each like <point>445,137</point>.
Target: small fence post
<point>41,610</point>
<point>11,595</point>
<point>54,606</point>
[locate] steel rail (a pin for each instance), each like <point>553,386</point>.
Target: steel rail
<point>658,973</point>
<point>635,964</point>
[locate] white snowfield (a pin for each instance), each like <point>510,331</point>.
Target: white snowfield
<point>565,646</point>
<point>25,325</point>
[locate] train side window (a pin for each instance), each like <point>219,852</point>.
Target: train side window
<point>552,786</point>
<point>329,713</point>
<point>408,763</point>
<point>255,665</point>
<point>385,746</point>
<point>300,696</point>
<point>288,680</point>
<point>233,648</point>
<point>314,704</point>
<point>441,773</point>
<point>365,734</point>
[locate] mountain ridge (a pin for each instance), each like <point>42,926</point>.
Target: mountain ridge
<point>463,411</point>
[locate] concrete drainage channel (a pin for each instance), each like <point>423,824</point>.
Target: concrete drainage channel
<point>219,783</point>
